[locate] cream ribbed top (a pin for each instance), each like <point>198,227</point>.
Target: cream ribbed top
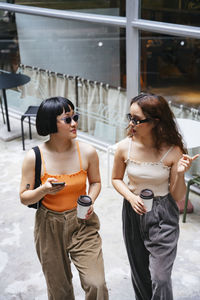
<point>148,175</point>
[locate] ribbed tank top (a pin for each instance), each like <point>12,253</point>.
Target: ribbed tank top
<point>75,186</point>
<point>148,175</point>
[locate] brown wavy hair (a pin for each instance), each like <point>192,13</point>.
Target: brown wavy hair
<point>157,109</point>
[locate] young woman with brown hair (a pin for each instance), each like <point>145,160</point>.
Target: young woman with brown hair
<point>154,157</point>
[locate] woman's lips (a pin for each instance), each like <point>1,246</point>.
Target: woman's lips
<point>133,131</point>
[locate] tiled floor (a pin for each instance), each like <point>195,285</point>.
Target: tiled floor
<point>20,272</point>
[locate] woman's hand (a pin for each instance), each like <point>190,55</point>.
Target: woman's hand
<point>50,189</point>
<point>89,212</point>
<point>185,162</point>
<point>138,205</point>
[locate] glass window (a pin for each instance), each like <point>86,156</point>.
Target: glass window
<point>55,52</point>
<point>171,66</point>
<point>172,11</point>
<point>85,49</point>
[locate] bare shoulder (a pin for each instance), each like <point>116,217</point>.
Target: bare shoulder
<point>87,149</point>
<point>29,160</point>
<point>175,154</point>
<point>124,143</point>
<point>177,151</point>
<point>122,146</point>
<point>30,156</point>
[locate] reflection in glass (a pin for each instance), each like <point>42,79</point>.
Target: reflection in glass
<point>9,50</point>
<point>92,51</point>
<point>171,66</point>
<point>103,7</point>
<point>172,11</point>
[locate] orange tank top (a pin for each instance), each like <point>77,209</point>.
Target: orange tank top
<point>75,186</point>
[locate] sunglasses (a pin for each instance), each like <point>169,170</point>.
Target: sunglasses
<point>136,121</point>
<point>68,120</point>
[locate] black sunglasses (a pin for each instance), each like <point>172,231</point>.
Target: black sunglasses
<point>136,121</point>
<point>68,120</point>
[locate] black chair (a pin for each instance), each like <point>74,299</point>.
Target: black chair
<point>30,112</point>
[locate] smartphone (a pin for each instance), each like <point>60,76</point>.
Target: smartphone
<point>58,183</point>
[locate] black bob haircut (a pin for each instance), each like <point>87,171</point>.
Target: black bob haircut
<point>49,109</point>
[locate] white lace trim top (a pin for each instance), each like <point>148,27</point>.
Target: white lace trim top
<point>150,175</point>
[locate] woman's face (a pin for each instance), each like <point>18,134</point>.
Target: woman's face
<point>139,129</point>
<point>67,123</point>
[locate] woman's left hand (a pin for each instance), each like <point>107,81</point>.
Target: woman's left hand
<point>185,162</point>
<point>90,212</point>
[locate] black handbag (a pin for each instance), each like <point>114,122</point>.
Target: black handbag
<point>37,175</point>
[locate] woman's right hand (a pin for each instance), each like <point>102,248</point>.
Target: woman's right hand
<point>138,205</point>
<point>48,188</point>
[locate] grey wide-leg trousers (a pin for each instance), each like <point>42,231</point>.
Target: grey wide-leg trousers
<point>151,243</point>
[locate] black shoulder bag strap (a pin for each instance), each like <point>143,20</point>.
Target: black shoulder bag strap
<point>37,174</point>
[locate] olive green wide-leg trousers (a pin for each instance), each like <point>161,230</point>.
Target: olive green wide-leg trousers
<point>61,238</point>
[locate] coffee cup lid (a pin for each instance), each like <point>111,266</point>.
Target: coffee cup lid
<point>84,200</point>
<point>146,194</point>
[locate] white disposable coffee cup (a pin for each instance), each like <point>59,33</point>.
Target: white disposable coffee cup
<point>83,205</point>
<point>147,197</point>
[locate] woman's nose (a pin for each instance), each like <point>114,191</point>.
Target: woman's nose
<point>73,122</point>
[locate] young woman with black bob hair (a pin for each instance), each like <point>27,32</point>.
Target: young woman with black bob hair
<point>61,237</point>
<point>154,157</point>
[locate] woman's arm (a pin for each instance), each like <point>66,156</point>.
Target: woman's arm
<point>29,195</point>
<point>181,164</point>
<point>93,178</point>
<point>93,174</point>
<point>118,183</point>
